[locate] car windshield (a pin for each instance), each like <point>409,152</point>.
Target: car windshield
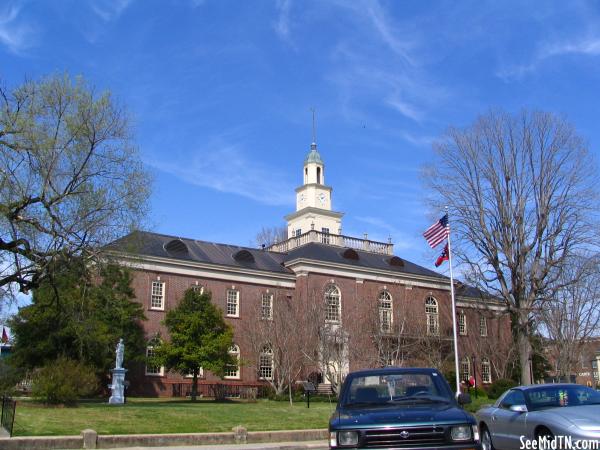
<point>396,388</point>
<point>561,396</point>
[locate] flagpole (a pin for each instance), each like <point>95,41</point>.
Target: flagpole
<point>453,312</point>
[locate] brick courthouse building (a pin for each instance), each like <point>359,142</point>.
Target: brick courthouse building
<point>350,302</point>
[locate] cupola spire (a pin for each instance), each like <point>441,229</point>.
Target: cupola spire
<point>313,145</point>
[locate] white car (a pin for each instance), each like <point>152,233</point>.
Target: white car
<point>533,416</point>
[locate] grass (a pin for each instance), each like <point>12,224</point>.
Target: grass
<point>140,416</point>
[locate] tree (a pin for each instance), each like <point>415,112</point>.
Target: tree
<point>71,178</point>
<point>271,327</point>
<point>571,317</point>
<point>268,236</point>
<point>79,314</point>
<point>521,192</point>
<point>200,338</point>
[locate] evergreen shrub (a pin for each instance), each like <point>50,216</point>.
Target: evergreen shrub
<point>498,387</point>
<point>64,382</point>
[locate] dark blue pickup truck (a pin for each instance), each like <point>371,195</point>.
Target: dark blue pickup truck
<point>401,408</point>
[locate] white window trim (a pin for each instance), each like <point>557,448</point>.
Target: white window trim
<point>339,304</point>
<point>432,318</point>
<point>270,353</point>
<point>262,299</point>
<point>200,374</point>
<point>235,353</point>
<point>486,362</point>
<point>385,296</point>
<point>483,328</point>
<point>466,361</point>
<point>160,373</point>
<point>152,295</point>
<point>462,324</point>
<point>237,302</point>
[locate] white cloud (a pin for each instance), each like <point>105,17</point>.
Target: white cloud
<point>225,167</point>
<point>283,25</point>
<point>109,10</point>
<point>15,35</point>
<point>586,47</point>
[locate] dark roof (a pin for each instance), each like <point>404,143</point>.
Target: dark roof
<point>324,252</point>
<point>164,246</point>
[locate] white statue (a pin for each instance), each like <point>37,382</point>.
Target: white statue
<point>120,352</point>
<point>118,377</point>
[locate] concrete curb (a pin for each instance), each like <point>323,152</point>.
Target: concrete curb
<point>89,439</point>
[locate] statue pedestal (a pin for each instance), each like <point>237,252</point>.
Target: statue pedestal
<point>118,386</point>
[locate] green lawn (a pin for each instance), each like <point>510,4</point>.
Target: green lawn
<point>167,416</point>
<point>174,416</point>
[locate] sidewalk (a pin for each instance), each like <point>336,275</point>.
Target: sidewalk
<point>308,445</point>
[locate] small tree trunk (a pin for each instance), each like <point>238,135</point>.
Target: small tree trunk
<point>290,390</point>
<point>194,394</point>
<point>524,346</point>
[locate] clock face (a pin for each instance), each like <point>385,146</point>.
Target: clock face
<point>321,198</point>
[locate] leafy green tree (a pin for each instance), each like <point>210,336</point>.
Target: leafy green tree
<point>71,178</point>
<point>79,314</point>
<point>200,338</point>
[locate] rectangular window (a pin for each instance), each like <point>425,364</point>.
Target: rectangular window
<point>462,324</point>
<point>325,235</point>
<point>157,297</point>
<point>266,307</point>
<point>298,232</point>
<point>150,369</point>
<point>483,331</point>
<point>200,374</point>
<point>233,303</point>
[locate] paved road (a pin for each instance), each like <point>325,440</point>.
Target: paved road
<point>308,445</point>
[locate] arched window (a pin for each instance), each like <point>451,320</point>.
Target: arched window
<point>431,312</point>
<point>462,323</point>
<point>233,371</point>
<point>151,367</point>
<point>333,304</point>
<point>465,369</point>
<point>386,311</point>
<point>486,370</point>
<point>265,363</point>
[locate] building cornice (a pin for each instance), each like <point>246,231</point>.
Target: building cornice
<point>312,209</point>
<point>204,270</point>
<point>317,185</point>
<point>305,265</point>
<point>478,303</point>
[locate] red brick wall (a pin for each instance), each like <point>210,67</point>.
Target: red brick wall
<point>359,303</point>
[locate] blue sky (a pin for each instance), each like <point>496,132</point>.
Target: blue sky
<point>220,92</point>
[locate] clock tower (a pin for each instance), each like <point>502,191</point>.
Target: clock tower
<point>313,201</point>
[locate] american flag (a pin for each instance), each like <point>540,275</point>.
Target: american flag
<point>438,232</point>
